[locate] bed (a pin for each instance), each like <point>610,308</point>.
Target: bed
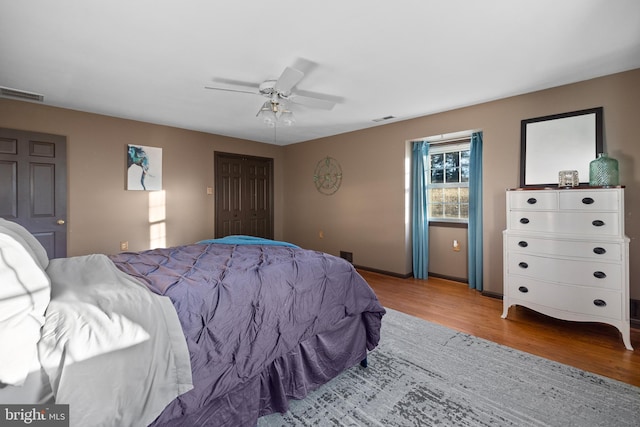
<point>216,333</point>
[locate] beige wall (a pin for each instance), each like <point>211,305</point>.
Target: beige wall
<point>444,261</point>
<point>367,216</point>
<point>101,213</point>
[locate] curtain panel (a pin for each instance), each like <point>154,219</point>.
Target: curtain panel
<point>475,213</point>
<point>420,220</point>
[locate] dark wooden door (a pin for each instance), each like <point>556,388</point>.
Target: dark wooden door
<point>244,195</point>
<point>33,185</point>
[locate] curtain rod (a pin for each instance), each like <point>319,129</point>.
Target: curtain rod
<point>449,137</point>
<point>446,141</point>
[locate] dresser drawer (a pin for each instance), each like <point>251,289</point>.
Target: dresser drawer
<point>566,248</point>
<point>589,200</point>
<point>533,200</point>
<point>594,302</point>
<point>582,223</point>
<point>575,272</point>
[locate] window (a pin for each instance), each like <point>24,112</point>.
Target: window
<point>448,185</point>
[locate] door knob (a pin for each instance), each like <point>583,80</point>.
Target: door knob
<point>60,222</point>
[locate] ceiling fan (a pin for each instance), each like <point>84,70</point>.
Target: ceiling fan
<point>280,92</point>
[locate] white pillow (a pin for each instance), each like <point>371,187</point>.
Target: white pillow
<point>28,240</point>
<point>24,296</point>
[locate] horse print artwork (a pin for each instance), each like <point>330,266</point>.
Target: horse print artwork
<point>144,168</point>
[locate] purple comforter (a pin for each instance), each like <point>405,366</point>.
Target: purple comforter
<point>244,306</point>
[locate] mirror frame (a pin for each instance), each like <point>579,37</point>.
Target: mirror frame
<point>559,125</point>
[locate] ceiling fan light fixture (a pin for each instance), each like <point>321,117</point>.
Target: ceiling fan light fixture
<point>272,112</point>
<point>287,118</point>
<point>268,114</point>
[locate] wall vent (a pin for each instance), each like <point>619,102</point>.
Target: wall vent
<point>347,256</point>
<point>21,94</point>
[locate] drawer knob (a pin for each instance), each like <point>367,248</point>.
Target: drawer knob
<point>599,250</point>
<point>599,274</point>
<point>532,200</point>
<point>587,201</point>
<point>599,303</point>
<point>524,244</point>
<point>523,265</point>
<point>524,220</point>
<point>523,289</point>
<point>597,223</point>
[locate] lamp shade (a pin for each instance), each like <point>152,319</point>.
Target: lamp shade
<point>267,114</point>
<point>287,118</point>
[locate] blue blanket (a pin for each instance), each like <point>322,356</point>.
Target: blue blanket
<point>247,240</point>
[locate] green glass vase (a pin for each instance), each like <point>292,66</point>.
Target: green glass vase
<point>603,171</point>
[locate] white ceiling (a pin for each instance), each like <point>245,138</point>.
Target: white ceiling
<point>149,60</point>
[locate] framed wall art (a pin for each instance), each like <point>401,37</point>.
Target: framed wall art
<point>144,168</point>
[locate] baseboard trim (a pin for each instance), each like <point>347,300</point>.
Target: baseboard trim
<point>491,294</point>
<point>409,275</point>
<point>452,278</point>
<point>386,273</point>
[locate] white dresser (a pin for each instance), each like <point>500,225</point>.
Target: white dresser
<point>566,255</point>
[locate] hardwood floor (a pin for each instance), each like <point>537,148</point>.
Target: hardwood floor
<point>593,347</point>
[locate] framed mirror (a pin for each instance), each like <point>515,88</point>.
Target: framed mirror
<point>550,144</point>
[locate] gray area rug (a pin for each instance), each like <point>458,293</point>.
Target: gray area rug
<point>423,374</point>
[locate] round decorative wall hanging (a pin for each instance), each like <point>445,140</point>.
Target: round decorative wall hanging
<point>328,176</point>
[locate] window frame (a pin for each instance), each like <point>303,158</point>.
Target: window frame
<point>458,145</point>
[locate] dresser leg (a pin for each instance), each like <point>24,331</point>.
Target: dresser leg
<point>505,311</point>
<point>626,337</point>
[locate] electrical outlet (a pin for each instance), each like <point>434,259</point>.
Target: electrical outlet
<point>321,234</point>
<point>456,246</point>
<point>209,191</point>
<point>124,246</point>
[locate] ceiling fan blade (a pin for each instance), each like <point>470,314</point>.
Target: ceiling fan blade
<point>289,78</point>
<point>253,92</point>
<point>234,82</point>
<point>309,94</point>
<point>308,101</point>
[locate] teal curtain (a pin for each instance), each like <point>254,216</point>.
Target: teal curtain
<point>475,212</point>
<point>419,217</point>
